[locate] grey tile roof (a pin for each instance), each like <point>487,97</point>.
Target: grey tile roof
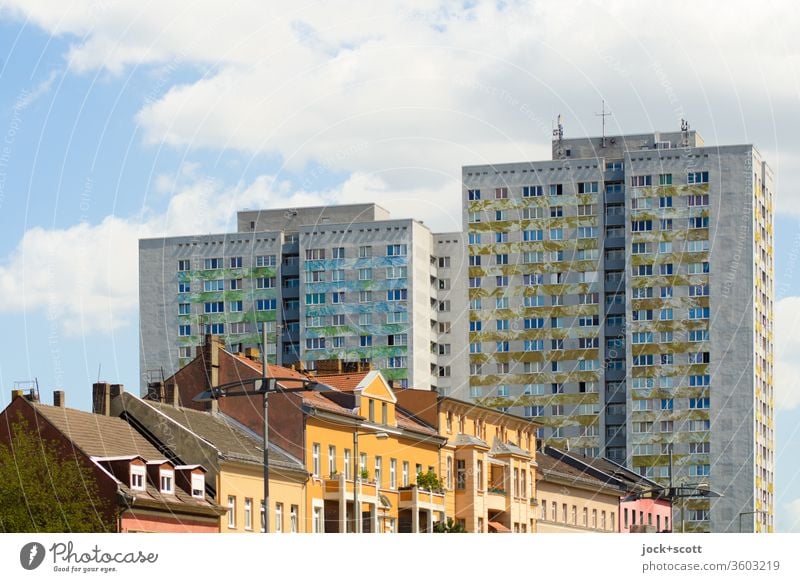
<point>230,438</point>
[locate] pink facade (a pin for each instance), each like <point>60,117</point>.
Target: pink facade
<point>654,514</point>
<point>131,523</point>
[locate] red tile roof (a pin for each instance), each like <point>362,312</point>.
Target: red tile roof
<point>272,371</point>
<point>407,422</point>
<point>318,400</point>
<point>343,382</point>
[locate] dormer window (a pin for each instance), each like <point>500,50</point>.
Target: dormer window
<point>167,481</point>
<point>137,477</point>
<point>198,485</point>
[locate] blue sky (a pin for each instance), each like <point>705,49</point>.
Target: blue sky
<point>128,119</point>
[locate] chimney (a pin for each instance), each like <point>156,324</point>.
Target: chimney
<point>17,394</point>
<point>116,390</point>
<point>101,398</point>
<point>172,395</point>
<point>253,354</point>
<point>211,349</point>
<point>155,391</point>
<point>58,398</point>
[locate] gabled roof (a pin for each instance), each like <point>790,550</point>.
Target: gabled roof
<point>97,435</point>
<point>273,371</point>
<point>469,440</point>
<point>407,422</point>
<point>229,437</point>
<point>106,439</point>
<point>550,466</point>
<point>319,401</point>
<point>509,448</point>
<point>343,382</point>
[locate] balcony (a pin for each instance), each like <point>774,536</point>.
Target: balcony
<point>413,497</point>
<point>337,485</point>
<point>496,499</point>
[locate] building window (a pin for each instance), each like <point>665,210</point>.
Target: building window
<point>405,473</point>
<point>461,473</point>
<point>166,481</point>
<point>393,473</point>
<point>316,460</point>
<point>198,486</point>
<point>698,178</point>
<point>231,512</point>
<point>266,304</point>
<point>248,514</point>
<point>293,511</point>
<point>318,523</point>
<point>398,250</point>
<point>137,477</point>
<point>397,295</point>
<point>331,461</point>
<point>184,265</point>
<point>279,518</point>
<point>184,309</point>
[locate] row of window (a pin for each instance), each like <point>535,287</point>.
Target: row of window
<point>214,263</point>
<point>338,297</point>
<point>667,426</point>
<point>535,257</point>
<point>534,191</point>
<point>318,275</point>
<point>666,179</point>
<point>553,515</point>
<point>666,269</point>
<point>364,252</point>
<point>532,213</point>
<point>294,513</point>
<point>692,201</point>
<point>364,341</point>
<point>375,473</point>
<point>646,225</point>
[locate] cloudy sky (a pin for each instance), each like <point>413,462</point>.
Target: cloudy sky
<point>121,120</point>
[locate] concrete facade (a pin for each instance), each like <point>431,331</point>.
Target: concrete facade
<point>622,294</point>
<point>341,282</point>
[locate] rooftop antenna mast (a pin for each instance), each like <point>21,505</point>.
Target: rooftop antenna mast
<point>684,132</point>
<point>603,113</point>
<point>558,133</point>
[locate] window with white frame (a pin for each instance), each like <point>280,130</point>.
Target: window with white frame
<point>138,477</point>
<point>167,481</point>
<point>198,485</point>
<point>231,511</point>
<point>279,518</point>
<point>248,513</point>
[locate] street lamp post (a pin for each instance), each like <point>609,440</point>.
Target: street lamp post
<point>263,386</point>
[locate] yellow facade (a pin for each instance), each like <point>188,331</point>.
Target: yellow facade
<point>487,463</point>
<point>392,450</point>
<point>564,507</point>
<point>240,488</point>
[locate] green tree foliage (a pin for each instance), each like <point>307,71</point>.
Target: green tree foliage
<point>45,489</point>
<point>429,481</point>
<point>449,526</point>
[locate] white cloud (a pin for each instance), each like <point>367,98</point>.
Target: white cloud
<point>787,347</point>
<point>85,277</point>
<point>428,85</point>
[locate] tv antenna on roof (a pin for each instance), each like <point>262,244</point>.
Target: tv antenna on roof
<point>603,113</point>
<point>558,133</point>
<point>684,132</point>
